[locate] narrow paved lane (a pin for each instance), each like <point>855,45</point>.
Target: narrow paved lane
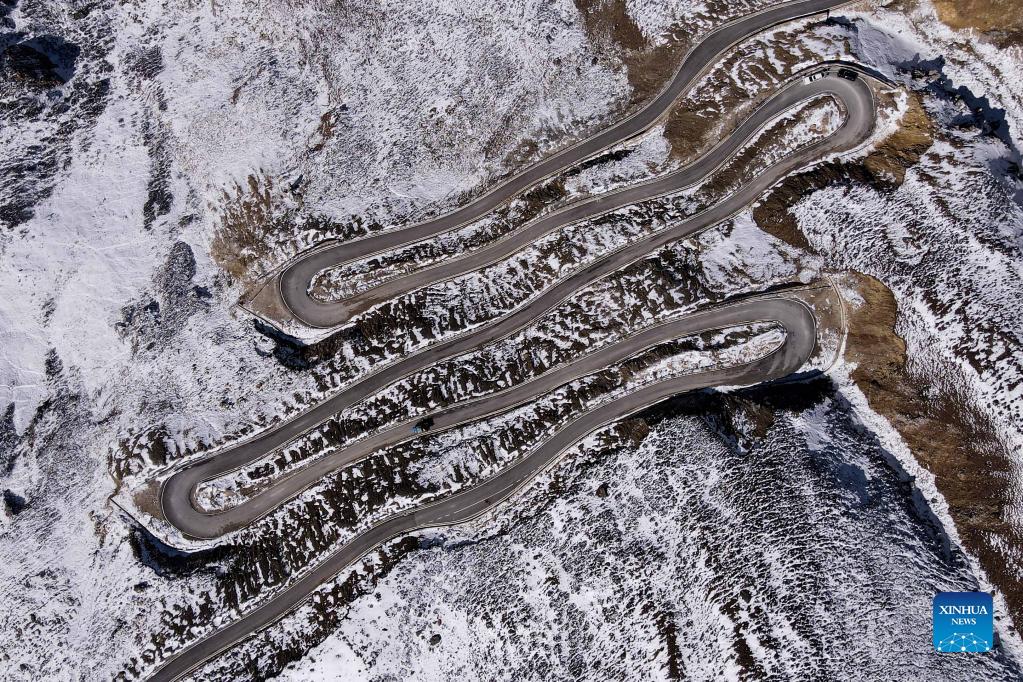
<point>179,492</point>
<point>177,495</point>
<point>793,352</point>
<point>295,279</point>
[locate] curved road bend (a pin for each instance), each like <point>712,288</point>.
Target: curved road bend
<point>296,280</point>
<point>785,359</point>
<point>179,493</point>
<point>297,276</point>
<point>176,495</point>
<point>470,503</point>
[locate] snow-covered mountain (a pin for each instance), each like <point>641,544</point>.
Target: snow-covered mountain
<point>162,158</point>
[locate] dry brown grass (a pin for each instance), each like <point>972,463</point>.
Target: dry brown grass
<point>648,67</point>
<point>1001,20</point>
<point>609,19</point>
<point>246,221</point>
<point>950,438</point>
<point>608,24</point>
<point>903,148</point>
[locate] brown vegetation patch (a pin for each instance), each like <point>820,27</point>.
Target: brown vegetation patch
<point>903,148</point>
<point>246,222</point>
<point>610,20</point>
<point>650,70</point>
<point>648,67</point>
<point>325,131</point>
<point>884,168</point>
<point>687,129</point>
<point>1000,20</point>
<point>948,436</point>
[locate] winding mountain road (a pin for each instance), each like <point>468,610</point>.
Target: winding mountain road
<point>177,494</point>
<point>294,281</point>
<point>800,337</point>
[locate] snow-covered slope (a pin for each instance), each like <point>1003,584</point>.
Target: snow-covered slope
<point>158,156</point>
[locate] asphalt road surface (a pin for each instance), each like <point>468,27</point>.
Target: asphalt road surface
<point>855,95</point>
<point>800,337</point>
<point>177,494</point>
<point>295,279</point>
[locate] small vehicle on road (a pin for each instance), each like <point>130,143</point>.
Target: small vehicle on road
<point>424,424</point>
<point>816,75</point>
<point>847,74</point>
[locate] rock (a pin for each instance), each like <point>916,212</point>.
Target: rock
<point>46,60</point>
<point>14,502</point>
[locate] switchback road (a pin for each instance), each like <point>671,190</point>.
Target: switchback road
<point>800,338</point>
<point>292,285</point>
<point>177,495</point>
